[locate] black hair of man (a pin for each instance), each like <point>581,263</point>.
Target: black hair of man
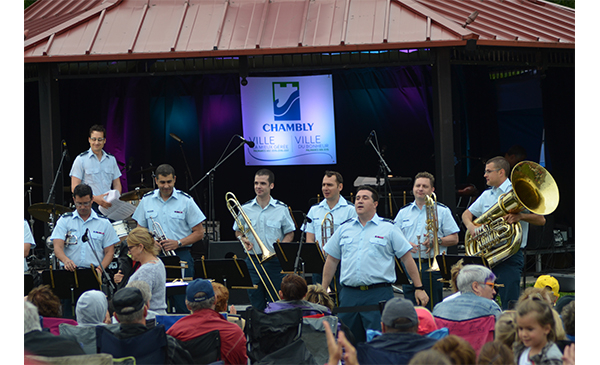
<point>268,173</point>
<point>83,190</point>
<point>165,170</point>
<point>338,176</point>
<point>97,128</point>
<point>374,193</point>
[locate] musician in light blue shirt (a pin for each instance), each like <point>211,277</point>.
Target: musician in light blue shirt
<point>412,220</point>
<point>508,272</point>
<point>71,248</point>
<point>29,243</point>
<point>366,247</point>
<point>341,210</point>
<point>272,221</point>
<point>96,168</point>
<point>177,214</point>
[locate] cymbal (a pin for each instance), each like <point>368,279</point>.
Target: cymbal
<point>143,171</point>
<point>136,194</point>
<point>33,184</point>
<point>42,211</point>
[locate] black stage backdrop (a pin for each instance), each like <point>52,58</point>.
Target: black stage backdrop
<point>204,111</point>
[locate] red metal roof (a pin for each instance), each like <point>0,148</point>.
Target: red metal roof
<point>88,30</point>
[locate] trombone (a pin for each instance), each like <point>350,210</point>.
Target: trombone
<point>242,221</point>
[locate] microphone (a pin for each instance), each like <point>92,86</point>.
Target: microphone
<point>84,238</point>
<point>175,137</point>
<point>64,145</point>
<point>249,143</point>
<point>370,137</point>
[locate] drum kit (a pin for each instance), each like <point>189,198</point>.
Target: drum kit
<point>50,213</point>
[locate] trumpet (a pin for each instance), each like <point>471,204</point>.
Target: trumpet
<point>159,235</point>
<point>242,220</point>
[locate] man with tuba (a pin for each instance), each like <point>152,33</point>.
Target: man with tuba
<point>340,209</point>
<point>509,272</point>
<point>177,214</point>
<point>272,221</point>
<point>412,220</point>
<point>366,246</point>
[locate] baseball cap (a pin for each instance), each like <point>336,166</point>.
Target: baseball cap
<point>128,300</point>
<point>547,280</point>
<point>196,286</point>
<point>399,308</point>
<point>426,321</point>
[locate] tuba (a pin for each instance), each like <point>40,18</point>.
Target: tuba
<point>534,189</point>
<point>242,220</point>
<point>432,229</point>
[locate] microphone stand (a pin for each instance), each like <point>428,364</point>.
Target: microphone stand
<point>188,176</point>
<point>302,240</point>
<point>51,196</point>
<point>383,169</point>
<point>211,189</point>
<point>88,238</point>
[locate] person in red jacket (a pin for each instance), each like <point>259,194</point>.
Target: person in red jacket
<point>200,300</point>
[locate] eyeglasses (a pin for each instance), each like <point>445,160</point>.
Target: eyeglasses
<point>487,172</point>
<point>490,284</point>
<point>83,204</point>
<point>94,139</point>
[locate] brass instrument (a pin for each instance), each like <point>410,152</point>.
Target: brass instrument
<point>159,235</point>
<point>534,189</point>
<point>432,229</point>
<point>242,220</point>
<point>327,228</point>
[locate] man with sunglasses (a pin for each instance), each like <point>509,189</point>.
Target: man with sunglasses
<point>96,168</point>
<point>68,235</point>
<point>509,272</point>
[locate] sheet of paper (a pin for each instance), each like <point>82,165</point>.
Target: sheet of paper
<point>119,210</point>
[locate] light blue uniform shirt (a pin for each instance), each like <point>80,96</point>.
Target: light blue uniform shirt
<point>367,253</point>
<point>101,233</point>
<point>176,216</point>
<point>489,198</point>
<point>412,222</point>
<point>98,174</point>
<point>28,239</point>
<point>341,212</point>
<point>271,223</point>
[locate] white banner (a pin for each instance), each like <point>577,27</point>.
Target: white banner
<point>289,119</point>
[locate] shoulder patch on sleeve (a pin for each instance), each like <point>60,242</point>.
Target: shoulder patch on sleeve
<point>148,194</point>
<point>442,205</point>
<point>84,153</point>
<point>406,205</point>
<point>279,202</point>
<point>346,221</point>
<point>185,194</point>
<point>388,220</point>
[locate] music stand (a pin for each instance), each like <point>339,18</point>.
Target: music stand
<point>71,284</point>
<point>401,277</point>
<point>28,283</point>
<point>445,263</point>
<point>174,267</point>
<point>311,256</point>
<point>233,272</point>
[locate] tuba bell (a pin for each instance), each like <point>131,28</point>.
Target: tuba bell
<point>534,189</point>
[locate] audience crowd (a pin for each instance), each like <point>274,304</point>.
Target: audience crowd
<point>536,331</point>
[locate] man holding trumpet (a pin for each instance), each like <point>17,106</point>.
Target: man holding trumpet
<point>175,212</point>
<point>272,221</point>
<point>412,220</point>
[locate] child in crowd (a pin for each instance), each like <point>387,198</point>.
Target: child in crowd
<point>536,329</point>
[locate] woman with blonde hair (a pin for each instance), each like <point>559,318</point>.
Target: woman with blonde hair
<point>142,249</point>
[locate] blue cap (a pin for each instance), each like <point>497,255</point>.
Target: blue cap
<point>196,286</point>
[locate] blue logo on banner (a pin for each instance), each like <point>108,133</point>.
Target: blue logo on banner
<point>286,100</point>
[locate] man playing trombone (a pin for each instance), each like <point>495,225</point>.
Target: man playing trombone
<point>272,221</point>
<point>412,220</point>
<point>339,208</point>
<point>366,247</point>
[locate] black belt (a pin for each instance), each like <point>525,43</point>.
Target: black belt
<point>368,287</point>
